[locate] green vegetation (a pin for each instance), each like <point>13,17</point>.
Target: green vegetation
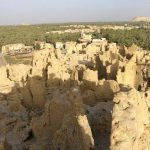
<point>28,34</point>
<point>140,37</point>
<point>51,38</point>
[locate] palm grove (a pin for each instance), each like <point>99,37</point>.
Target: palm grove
<point>28,35</point>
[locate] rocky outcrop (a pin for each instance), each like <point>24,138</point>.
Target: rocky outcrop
<point>75,132</point>
<point>130,121</point>
<point>91,97</point>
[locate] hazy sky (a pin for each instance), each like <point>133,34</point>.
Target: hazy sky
<point>51,11</point>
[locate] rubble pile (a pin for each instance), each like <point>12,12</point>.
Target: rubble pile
<point>91,97</point>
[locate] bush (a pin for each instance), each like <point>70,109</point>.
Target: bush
<point>29,34</point>
<point>140,37</point>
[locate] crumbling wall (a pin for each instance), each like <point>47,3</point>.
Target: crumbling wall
<point>130,120</point>
<point>94,100</point>
<point>75,132</point>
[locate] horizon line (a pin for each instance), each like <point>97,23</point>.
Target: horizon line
<point>67,22</point>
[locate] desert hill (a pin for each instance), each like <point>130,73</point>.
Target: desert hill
<point>141,19</point>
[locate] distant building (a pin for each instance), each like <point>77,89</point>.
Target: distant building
<point>16,49</point>
<point>85,38</point>
<point>102,40</point>
<point>28,49</point>
<point>59,45</point>
<point>42,45</point>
